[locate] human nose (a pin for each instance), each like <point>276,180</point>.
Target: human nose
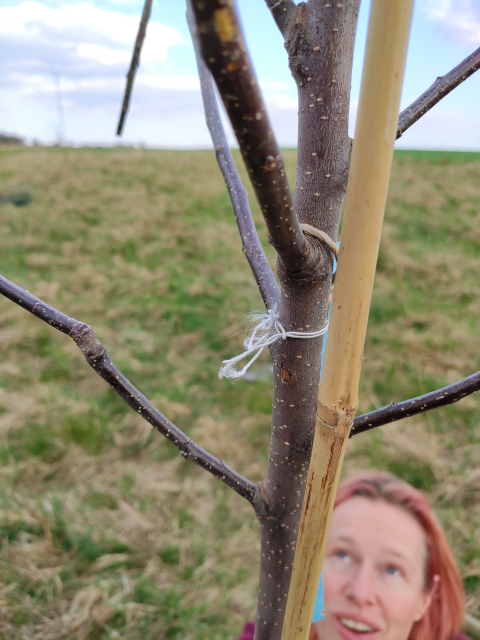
<point>360,587</point>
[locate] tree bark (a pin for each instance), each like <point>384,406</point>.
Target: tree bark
<point>319,41</point>
<point>282,11</point>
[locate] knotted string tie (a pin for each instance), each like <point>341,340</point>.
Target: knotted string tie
<point>269,328</point>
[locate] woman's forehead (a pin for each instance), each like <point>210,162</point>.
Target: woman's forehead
<point>378,526</point>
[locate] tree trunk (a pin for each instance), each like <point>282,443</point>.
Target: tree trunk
<point>319,41</point>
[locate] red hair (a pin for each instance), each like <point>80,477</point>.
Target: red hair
<point>444,618</point>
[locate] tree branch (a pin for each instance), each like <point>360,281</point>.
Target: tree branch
<point>99,359</point>
<point>251,245</point>
<point>397,411</point>
<point>142,30</point>
<point>282,12</point>
<point>439,89</point>
<point>225,54</point>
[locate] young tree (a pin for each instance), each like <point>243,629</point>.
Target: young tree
<point>303,228</point>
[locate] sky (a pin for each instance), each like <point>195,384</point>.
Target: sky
<point>63,66</point>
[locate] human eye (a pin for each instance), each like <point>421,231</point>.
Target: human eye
<point>342,555</point>
<point>392,570</point>
<point>340,558</point>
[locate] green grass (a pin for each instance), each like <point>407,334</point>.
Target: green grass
<point>106,532</point>
<point>437,157</point>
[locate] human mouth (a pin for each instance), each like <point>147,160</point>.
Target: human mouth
<point>355,625</point>
<point>352,627</point>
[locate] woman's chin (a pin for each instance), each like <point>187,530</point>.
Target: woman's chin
<point>347,633</point>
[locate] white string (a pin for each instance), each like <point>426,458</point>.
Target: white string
<point>267,331</point>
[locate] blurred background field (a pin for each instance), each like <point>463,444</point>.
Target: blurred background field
<point>105,531</point>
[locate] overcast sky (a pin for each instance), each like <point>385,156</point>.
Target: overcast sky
<point>84,49</point>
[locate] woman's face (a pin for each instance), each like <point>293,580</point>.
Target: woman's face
<point>374,573</point>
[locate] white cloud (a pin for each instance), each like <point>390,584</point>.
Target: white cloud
<point>78,39</point>
<point>459,20</point>
<point>171,82</point>
<point>103,55</point>
<point>89,49</point>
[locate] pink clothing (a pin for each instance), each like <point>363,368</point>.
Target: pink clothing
<point>248,631</point>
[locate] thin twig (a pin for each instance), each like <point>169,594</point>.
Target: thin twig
<point>439,89</point>
<point>252,247</point>
<point>142,30</point>
<point>397,411</point>
<point>282,12</point>
<point>225,54</point>
<point>99,359</point>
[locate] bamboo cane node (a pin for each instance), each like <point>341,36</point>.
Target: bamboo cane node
<point>335,418</point>
<point>322,236</point>
<point>326,424</point>
<point>325,415</point>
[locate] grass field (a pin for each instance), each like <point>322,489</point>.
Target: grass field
<point>106,532</point>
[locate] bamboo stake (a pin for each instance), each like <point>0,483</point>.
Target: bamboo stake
<point>375,132</point>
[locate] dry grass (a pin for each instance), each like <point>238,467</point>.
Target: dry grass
<point>106,533</point>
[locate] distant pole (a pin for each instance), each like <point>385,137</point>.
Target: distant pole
<point>62,127</point>
<point>375,132</point>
